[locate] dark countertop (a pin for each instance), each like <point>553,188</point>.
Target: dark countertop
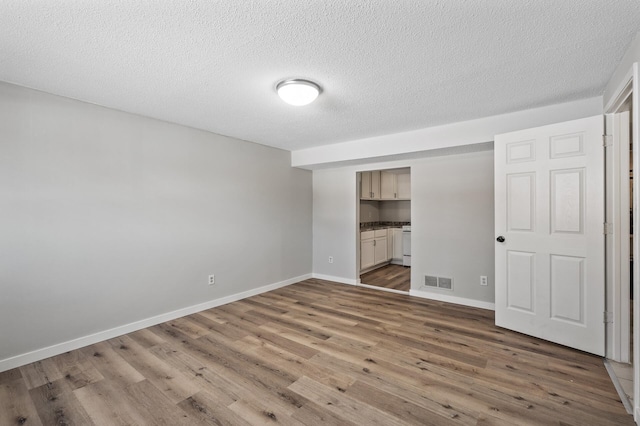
<point>372,226</point>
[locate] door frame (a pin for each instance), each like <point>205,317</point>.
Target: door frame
<point>626,89</point>
<point>618,326</point>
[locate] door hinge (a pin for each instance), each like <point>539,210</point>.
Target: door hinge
<point>607,317</point>
<point>607,140</point>
<point>607,228</point>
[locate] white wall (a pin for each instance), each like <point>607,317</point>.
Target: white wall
<point>451,219</point>
<point>109,218</point>
<point>482,130</point>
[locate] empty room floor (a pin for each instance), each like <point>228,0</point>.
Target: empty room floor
<point>395,277</point>
<point>312,353</point>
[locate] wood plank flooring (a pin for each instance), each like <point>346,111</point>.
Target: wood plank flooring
<point>316,353</point>
<point>396,277</point>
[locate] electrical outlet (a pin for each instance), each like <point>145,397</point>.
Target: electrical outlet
<point>330,259</point>
<point>212,279</point>
<point>484,280</point>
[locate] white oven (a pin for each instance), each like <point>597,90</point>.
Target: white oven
<point>406,245</point>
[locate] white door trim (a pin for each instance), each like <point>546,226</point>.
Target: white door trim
<point>632,82</point>
<point>617,244</point>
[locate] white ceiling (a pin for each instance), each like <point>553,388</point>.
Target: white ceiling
<point>385,66</point>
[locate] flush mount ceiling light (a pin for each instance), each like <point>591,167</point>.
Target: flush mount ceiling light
<point>298,92</point>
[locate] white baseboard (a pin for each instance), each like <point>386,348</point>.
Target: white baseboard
<point>336,279</point>
<point>453,299</point>
<point>59,348</point>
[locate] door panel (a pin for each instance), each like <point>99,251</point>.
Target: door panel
<point>521,201</point>
<point>521,281</point>
<point>549,207</point>
<point>567,201</point>
<point>567,288</point>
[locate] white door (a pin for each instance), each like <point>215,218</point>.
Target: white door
<point>549,209</point>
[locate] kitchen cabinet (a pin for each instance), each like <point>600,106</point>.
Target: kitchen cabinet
<point>367,254</point>
<point>373,248</point>
<point>380,248</point>
<point>387,185</point>
<point>370,185</point>
<point>395,186</point>
<point>396,236</point>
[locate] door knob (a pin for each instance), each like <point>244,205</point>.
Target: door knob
<point>500,239</point>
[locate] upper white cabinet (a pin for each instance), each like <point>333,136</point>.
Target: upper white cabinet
<point>394,185</point>
<point>388,184</point>
<point>370,185</point>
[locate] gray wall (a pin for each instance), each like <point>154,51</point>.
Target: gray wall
<point>452,223</point>
<point>395,211</point>
<point>385,211</point>
<point>451,218</point>
<point>109,218</point>
<point>335,223</point>
<point>369,211</point>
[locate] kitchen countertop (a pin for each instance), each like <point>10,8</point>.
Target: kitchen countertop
<point>372,226</point>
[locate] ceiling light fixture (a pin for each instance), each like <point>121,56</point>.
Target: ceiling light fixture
<point>298,92</point>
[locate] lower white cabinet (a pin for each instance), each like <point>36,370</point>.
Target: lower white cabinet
<point>373,248</point>
<point>396,236</point>
<point>367,253</point>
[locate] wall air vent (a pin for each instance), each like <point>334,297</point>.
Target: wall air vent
<point>446,283</point>
<point>438,282</point>
<point>430,281</point>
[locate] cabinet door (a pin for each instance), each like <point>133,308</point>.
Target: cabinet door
<point>367,257</point>
<point>380,250</point>
<point>389,243</point>
<point>403,182</point>
<point>397,244</point>
<point>375,185</point>
<point>388,186</point>
<point>365,185</point>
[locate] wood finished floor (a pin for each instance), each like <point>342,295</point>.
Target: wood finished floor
<point>396,277</point>
<point>317,353</point>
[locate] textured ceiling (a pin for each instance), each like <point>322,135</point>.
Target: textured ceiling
<point>385,66</point>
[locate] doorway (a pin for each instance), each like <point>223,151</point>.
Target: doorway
<point>384,237</point>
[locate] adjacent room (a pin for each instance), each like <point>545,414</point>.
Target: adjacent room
<point>304,213</point>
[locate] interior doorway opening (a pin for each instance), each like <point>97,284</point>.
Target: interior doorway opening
<point>384,237</point>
